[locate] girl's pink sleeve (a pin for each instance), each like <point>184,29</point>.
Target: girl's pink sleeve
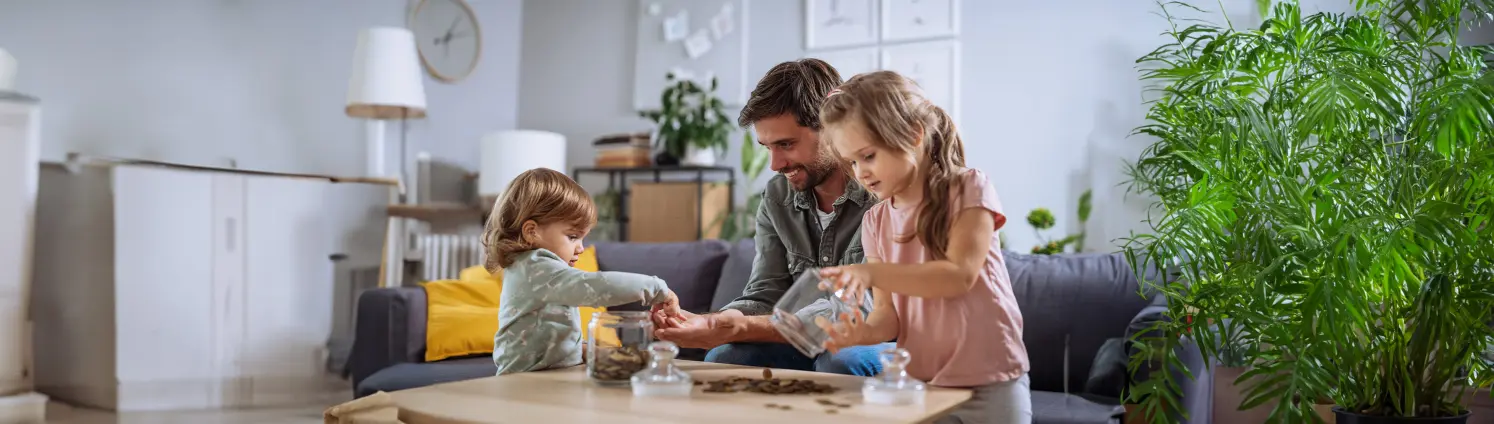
<point>979,193</point>
<point>871,236</point>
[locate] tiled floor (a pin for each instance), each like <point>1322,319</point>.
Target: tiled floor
<point>62,414</point>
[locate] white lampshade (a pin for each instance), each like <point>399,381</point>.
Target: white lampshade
<point>387,82</point>
<point>506,154</point>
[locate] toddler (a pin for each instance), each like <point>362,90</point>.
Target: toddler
<point>535,236</point>
<point>933,262</point>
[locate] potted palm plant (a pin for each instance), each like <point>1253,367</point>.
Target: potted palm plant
<point>1324,184</point>
<point>692,123</point>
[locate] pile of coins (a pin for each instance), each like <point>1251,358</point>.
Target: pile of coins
<point>619,363</point>
<point>767,385</point>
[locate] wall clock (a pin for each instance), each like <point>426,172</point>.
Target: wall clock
<point>449,39</point>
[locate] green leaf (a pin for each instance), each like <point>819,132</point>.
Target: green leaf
<point>1084,207</point>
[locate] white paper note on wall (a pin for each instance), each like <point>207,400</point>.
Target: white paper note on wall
<point>721,24</point>
<point>698,44</point>
<point>677,27</point>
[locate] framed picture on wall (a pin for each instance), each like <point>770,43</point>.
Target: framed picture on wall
<point>934,65</point>
<point>851,62</point>
<point>832,24</point>
<point>919,19</point>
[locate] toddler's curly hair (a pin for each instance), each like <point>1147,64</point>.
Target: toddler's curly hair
<point>542,195</point>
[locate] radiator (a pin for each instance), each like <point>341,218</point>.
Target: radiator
<point>444,256</point>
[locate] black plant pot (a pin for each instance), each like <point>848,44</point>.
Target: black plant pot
<point>665,159</point>
<point>1343,416</point>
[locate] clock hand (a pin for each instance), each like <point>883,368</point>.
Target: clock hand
<point>454,22</point>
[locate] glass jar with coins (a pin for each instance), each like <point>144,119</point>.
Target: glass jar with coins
<point>617,346</point>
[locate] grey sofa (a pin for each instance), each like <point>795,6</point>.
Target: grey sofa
<point>1078,312</point>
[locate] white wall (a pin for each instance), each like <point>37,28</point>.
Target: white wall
<point>1049,90</point>
<point>261,83</point>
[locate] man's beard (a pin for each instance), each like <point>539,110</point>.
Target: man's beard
<point>814,174</point>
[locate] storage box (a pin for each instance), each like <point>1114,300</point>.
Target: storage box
<point>676,211</point>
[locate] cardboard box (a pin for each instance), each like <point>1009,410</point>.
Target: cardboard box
<point>676,211</point>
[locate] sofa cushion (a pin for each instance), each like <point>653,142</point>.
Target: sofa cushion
<point>1059,408</point>
<point>690,268</point>
<point>410,375</point>
<point>735,273</point>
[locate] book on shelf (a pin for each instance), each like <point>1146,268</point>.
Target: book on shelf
<point>623,151</point>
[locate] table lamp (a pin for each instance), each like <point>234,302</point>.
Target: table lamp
<point>506,154</point>
<point>386,84</point>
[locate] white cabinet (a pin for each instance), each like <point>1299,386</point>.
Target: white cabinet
<point>171,289</point>
<point>20,145</point>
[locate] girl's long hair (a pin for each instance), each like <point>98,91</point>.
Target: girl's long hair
<point>897,116</point>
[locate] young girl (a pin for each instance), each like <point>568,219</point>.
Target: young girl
<point>535,236</point>
<point>933,262</point>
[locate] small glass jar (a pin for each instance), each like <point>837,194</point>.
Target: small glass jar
<point>662,377</point>
<point>893,386</point>
<point>617,346</point>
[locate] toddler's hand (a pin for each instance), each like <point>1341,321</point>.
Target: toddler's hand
<point>669,308</point>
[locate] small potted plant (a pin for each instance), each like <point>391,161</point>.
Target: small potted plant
<point>1042,219</point>
<point>692,124</point>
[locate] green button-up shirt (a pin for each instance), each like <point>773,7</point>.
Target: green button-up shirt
<point>789,241</point>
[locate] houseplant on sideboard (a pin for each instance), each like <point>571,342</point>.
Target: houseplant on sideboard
<point>737,224</point>
<point>692,123</point>
<point>1324,186</point>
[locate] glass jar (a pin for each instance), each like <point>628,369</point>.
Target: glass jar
<point>808,301</point>
<point>894,386</point>
<point>662,378</point>
<point>617,346</point>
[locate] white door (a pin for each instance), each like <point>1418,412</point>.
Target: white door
<point>288,282</point>
<point>163,235</point>
<point>19,127</point>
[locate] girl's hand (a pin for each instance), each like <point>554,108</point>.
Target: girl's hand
<point>851,330</point>
<point>852,283</point>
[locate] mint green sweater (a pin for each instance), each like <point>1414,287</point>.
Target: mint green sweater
<point>538,326</point>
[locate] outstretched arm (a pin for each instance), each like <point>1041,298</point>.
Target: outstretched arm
<point>563,285</point>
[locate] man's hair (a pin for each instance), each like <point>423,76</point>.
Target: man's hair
<point>797,87</point>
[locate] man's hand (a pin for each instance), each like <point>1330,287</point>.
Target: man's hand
<point>700,331</point>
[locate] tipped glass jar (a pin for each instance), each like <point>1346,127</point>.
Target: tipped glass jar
<point>796,313</point>
<point>617,346</point>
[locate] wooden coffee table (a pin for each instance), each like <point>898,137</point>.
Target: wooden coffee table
<point>565,396</point>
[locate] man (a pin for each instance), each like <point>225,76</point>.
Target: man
<point>810,218</point>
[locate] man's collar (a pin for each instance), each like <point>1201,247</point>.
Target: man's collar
<point>854,192</point>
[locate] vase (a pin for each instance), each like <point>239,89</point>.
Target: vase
<point>697,156</point>
<point>666,159</point>
<point>1344,416</point>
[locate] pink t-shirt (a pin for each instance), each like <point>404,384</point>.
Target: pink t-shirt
<point>969,340</point>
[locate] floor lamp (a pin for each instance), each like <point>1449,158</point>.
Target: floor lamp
<point>387,84</point>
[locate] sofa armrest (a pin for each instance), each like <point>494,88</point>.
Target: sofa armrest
<point>389,328</point>
<point>1197,393</point>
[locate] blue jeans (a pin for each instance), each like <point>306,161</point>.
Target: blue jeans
<point>857,360</point>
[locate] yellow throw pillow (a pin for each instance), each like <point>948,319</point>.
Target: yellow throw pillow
<point>462,315</point>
